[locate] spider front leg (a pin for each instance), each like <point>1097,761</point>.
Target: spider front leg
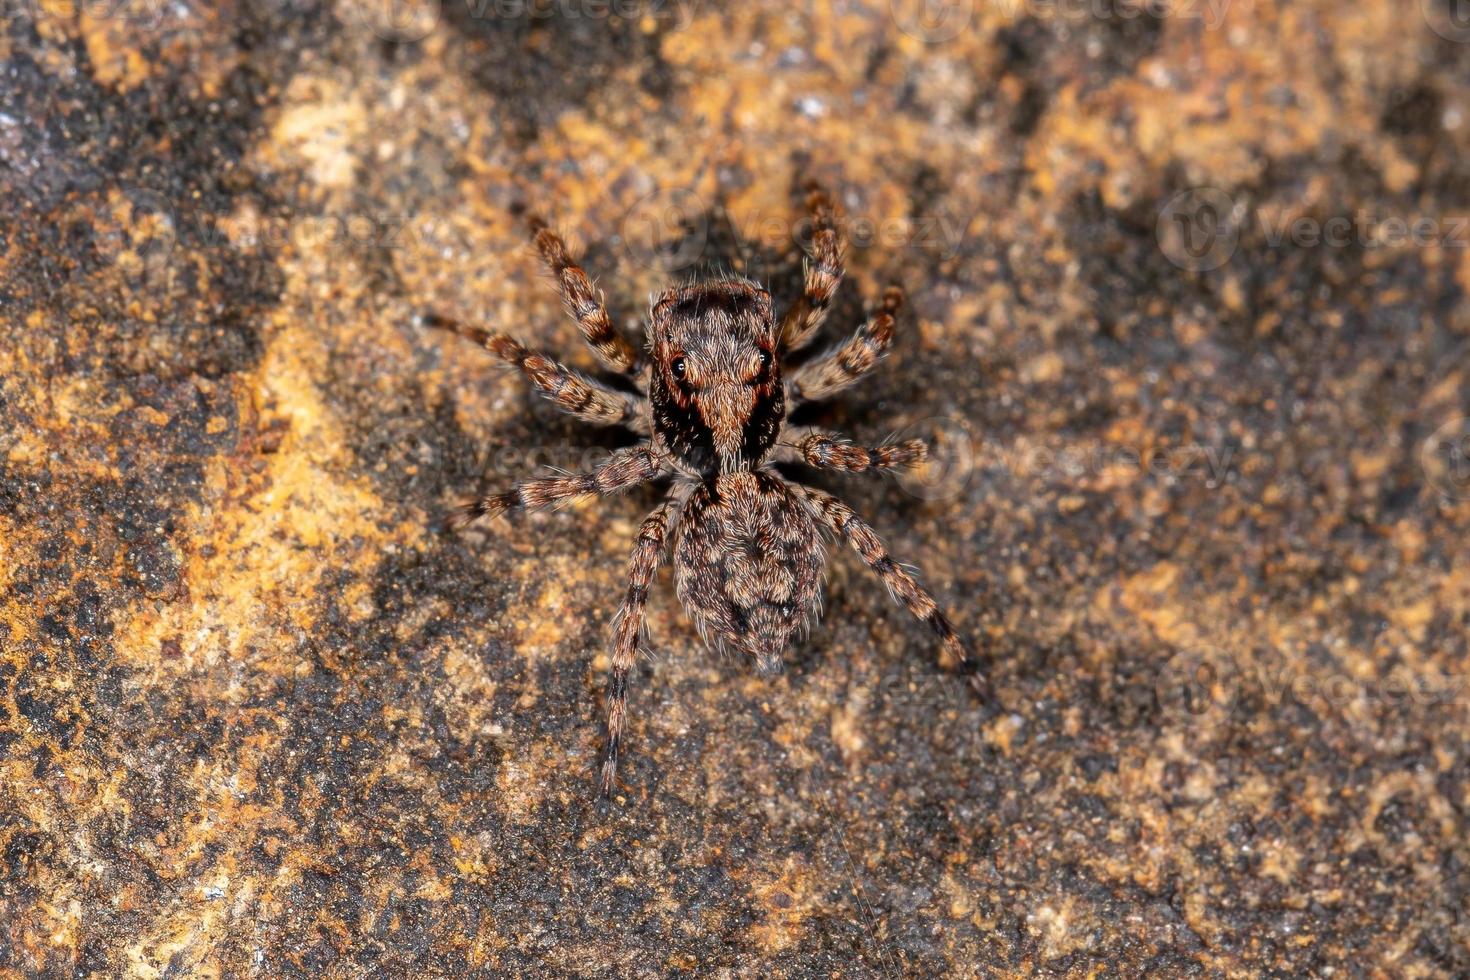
<point>584,302</point>
<point>830,451</point>
<point>573,392</point>
<point>622,470</point>
<point>823,273</point>
<point>849,361</point>
<point>842,521</point>
<point>648,555</point>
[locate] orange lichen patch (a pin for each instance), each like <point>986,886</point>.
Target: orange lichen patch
<point>121,64</point>
<point>848,722</point>
<point>1206,100</point>
<point>274,533</point>
<point>475,857</point>
<point>1414,617</point>
<point>1279,860</point>
<point>544,627</point>
<point>319,131</point>
<point>1060,926</point>
<point>1001,732</point>
<point>1151,595</point>
<point>1413,788</point>
<point>961,900</point>
<point>469,697</point>
<point>786,899</point>
<point>519,781</point>
<point>128,43</point>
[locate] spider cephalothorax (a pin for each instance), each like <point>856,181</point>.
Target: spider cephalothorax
<point>711,406</point>
<point>715,385</point>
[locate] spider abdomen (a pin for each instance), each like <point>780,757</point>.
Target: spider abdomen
<point>748,563</point>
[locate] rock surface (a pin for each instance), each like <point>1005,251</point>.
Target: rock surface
<point>261,716</point>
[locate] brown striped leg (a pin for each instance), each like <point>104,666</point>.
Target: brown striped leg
<point>584,302</point>
<point>823,272</point>
<point>850,360</point>
<point>623,469</point>
<point>954,655</point>
<point>573,392</point>
<point>648,554</point>
<point>830,451</point>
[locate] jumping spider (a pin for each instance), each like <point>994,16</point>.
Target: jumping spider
<point>711,406</point>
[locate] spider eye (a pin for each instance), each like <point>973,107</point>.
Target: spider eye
<point>765,359</point>
<point>679,368</point>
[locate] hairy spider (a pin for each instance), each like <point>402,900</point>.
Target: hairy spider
<point>712,404</point>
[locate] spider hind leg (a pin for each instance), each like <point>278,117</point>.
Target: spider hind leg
<point>954,653</point>
<point>648,555</point>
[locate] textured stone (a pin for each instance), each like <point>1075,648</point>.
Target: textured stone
<point>260,716</point>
